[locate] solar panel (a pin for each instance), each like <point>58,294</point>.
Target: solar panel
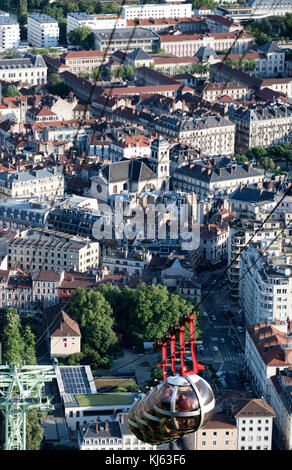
<point>75,380</point>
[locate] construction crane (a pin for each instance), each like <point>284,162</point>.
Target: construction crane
<point>21,390</point>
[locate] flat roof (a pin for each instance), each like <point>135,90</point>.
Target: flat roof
<point>103,399</point>
<point>42,18</point>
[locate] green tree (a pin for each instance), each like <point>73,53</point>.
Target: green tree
<point>12,341</point>
<point>11,90</point>
<point>145,313</point>
<point>34,432</point>
<point>58,87</point>
<point>250,65</point>
<point>29,351</point>
<point>62,30</point>
<point>95,317</point>
<point>82,36</point>
<point>96,74</point>
<point>128,72</point>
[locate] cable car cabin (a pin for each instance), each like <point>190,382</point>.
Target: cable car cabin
<point>184,403</point>
<point>132,420</point>
<point>158,428</point>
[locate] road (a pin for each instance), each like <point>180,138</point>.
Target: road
<point>223,344</point>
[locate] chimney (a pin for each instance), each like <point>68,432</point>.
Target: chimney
<point>106,427</point>
<point>122,419</point>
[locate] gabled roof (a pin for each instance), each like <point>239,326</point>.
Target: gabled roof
<point>204,52</point>
<point>249,194</point>
<point>60,324</point>
<point>126,170</point>
<point>139,54</point>
<point>270,47</point>
<point>255,407</point>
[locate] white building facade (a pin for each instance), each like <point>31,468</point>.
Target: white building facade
<point>42,31</point>
<point>9,33</point>
<point>159,10</point>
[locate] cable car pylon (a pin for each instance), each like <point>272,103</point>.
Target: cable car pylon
<point>21,390</point>
<point>182,403</point>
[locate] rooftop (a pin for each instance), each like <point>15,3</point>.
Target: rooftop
<point>104,399</point>
<point>42,18</point>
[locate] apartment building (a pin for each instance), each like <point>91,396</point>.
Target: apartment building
<point>54,251</point>
<point>210,135</point>
<point>16,291</point>
<point>214,242</point>
<point>271,62</point>
<point>79,19</point>
<point>131,264</point>
<point>158,10</point>
<point>216,177</point>
<point>213,92</point>
<point>268,280</point>
<point>83,61</point>
<point>110,435</point>
<point>188,44</point>
<point>254,422</point>
<point>18,214</point>
<point>261,126</point>
<point>280,398</point>
<point>69,131</point>
<point>220,433</point>
<point>42,31</point>
<point>9,33</point>
<point>28,70</point>
<point>222,24</point>
<point>118,39</point>
<point>268,348</point>
<point>252,206</point>
<point>37,183</point>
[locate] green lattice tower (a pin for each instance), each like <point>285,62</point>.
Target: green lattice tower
<point>21,388</point>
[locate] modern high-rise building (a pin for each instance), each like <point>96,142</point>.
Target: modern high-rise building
<point>42,31</point>
<point>9,33</point>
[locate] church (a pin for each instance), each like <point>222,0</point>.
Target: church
<point>134,175</point>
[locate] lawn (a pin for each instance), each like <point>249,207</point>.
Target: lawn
<point>103,399</point>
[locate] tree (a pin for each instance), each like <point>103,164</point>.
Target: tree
<point>145,313</point>
<point>128,72</point>
<point>95,317</point>
<point>62,30</point>
<point>34,432</point>
<point>12,341</point>
<point>83,37</point>
<point>250,65</point>
<point>257,152</point>
<point>11,90</point>
<point>58,87</point>
<point>29,351</point>
<point>96,74</point>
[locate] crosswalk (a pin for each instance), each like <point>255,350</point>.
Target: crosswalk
<point>230,358</point>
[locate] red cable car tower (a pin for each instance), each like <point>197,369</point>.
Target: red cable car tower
<point>179,405</point>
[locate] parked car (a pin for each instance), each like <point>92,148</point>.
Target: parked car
<point>213,318</point>
<point>222,340</point>
<point>215,349</point>
<point>240,329</point>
